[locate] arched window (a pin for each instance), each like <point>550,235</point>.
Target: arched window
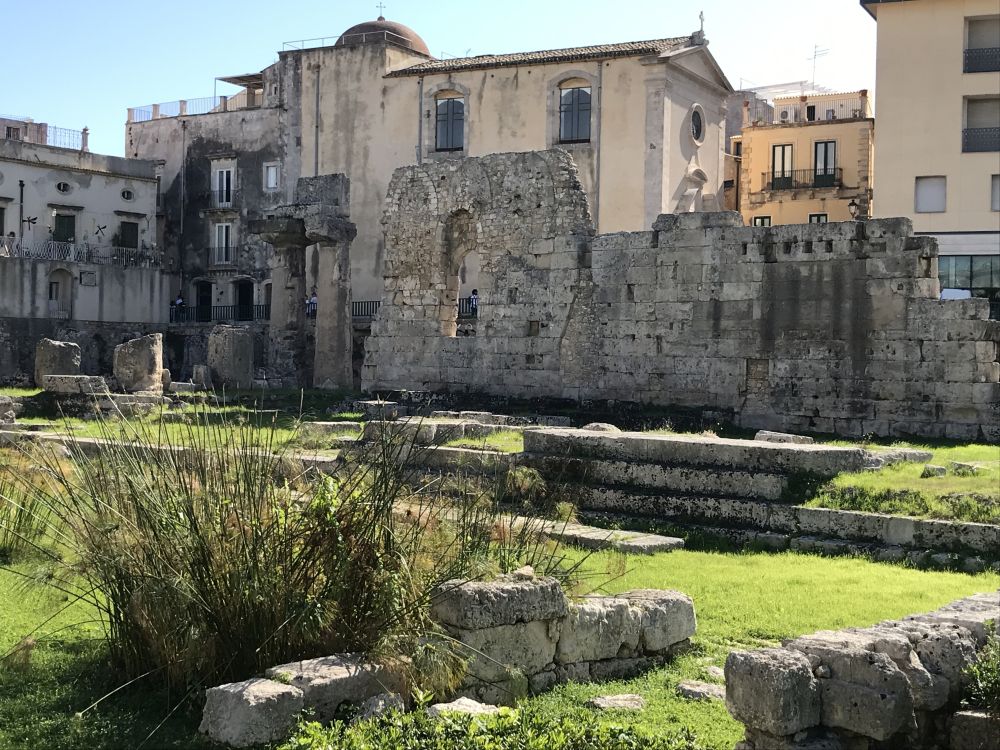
<point>450,121</point>
<point>574,111</point>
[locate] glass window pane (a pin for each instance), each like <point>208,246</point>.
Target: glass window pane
<point>946,271</point>
<point>930,194</point>
<point>995,266</point>
<point>981,271</point>
<point>963,271</point>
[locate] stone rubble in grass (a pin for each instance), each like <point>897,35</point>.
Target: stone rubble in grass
<point>249,713</point>
<point>701,691</point>
<point>463,706</point>
<point>930,470</point>
<point>625,702</point>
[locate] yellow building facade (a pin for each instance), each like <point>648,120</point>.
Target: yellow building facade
<point>806,159</point>
<point>937,156</point>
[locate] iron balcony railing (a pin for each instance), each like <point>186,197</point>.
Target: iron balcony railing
<point>224,198</point>
<point>218,313</point>
<point>976,140</point>
<point>803,179</point>
<point>368,308</point>
<point>222,256</point>
<point>983,60</point>
<point>79,252</point>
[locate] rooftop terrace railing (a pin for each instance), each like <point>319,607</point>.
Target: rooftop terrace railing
<point>246,99</point>
<point>28,131</point>
<point>810,111</point>
<point>348,39</point>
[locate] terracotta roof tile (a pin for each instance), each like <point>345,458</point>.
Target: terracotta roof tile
<point>543,57</point>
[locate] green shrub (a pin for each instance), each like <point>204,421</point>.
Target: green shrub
<point>983,677</point>
<point>508,730</point>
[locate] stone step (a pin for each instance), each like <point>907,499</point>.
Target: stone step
<point>679,479</point>
<point>910,533</point>
<point>695,450</point>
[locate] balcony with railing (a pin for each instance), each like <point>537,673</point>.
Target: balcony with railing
<point>80,252</point>
<point>980,140</point>
<point>224,199</point>
<point>803,179</point>
<point>982,60</point>
<point>219,313</point>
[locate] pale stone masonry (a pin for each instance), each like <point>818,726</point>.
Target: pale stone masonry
<point>826,328</point>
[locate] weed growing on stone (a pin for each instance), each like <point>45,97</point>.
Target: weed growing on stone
<point>983,678</point>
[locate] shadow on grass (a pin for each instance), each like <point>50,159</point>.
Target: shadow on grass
<point>40,706</point>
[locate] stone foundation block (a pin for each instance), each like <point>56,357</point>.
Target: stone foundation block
<point>55,358</point>
<point>772,690</point>
<point>975,730</point>
<point>510,599</point>
<point>497,653</point>
<point>138,364</point>
<point>253,712</point>
<point>329,681</point>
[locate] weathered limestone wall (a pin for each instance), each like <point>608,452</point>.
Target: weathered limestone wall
<point>827,328</point>
<point>896,684</point>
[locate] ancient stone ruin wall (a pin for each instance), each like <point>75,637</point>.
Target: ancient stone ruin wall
<point>827,328</point>
<point>526,216</point>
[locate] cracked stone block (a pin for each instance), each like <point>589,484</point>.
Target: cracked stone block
<point>472,605</point>
<point>56,358</point>
<point>772,690</point>
<point>138,364</point>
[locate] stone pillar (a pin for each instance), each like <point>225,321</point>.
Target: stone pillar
<point>287,346</point>
<point>333,363</point>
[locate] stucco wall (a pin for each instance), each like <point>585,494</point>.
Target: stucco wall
<point>94,196</point>
<point>921,86</point>
<point>828,328</point>
<point>96,293</point>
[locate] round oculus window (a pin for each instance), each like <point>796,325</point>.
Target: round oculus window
<point>128,195</point>
<point>63,187</point>
<point>697,125</point>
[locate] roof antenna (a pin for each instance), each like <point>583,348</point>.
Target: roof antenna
<point>381,11</point>
<point>817,53</point>
<point>701,17</point>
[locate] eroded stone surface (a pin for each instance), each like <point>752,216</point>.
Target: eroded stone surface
<point>56,358</point>
<point>701,691</point>
<point>138,364</point>
<point>463,706</point>
<point>504,601</point>
<point>772,690</point>
<point>329,681</point>
<point>253,712</point>
<point>230,357</point>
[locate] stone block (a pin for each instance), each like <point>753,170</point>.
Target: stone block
<point>620,669</point>
<point>462,706</point>
<point>783,437</point>
<point>87,385</point>
<point>975,730</point>
<point>202,377</point>
<point>701,691</point>
<point>772,690</point>
<point>473,605</point>
<point>598,628</point>
<point>666,617</point>
<point>329,681</point>
<point>55,358</point>
<point>625,702</point>
<point>138,364</point>
<point>249,713</point>
<point>230,356</point>
<point>498,653</point>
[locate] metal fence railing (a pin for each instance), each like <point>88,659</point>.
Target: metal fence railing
<point>246,99</point>
<point>977,140</point>
<point>223,198</point>
<point>799,179</point>
<point>79,252</point>
<point>366,309</point>
<point>218,313</point>
<point>983,60</point>
<point>797,112</point>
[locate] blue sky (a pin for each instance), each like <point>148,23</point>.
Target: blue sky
<point>75,64</point>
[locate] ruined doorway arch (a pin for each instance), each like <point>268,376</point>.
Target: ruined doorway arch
<point>460,252</point>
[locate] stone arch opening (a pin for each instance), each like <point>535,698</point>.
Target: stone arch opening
<point>461,267</point>
<point>60,294</point>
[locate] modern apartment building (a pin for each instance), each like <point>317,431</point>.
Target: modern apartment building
<point>937,147</point>
<point>805,159</point>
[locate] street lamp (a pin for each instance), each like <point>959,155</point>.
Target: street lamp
<point>853,207</point>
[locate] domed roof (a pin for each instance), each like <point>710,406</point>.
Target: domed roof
<point>380,30</point>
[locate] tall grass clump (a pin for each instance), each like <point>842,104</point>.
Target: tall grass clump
<point>213,554</point>
<point>22,515</point>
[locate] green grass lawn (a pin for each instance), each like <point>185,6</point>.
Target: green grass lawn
<point>899,489</point>
<point>742,601</point>
<point>20,392</point>
<point>754,600</point>
<point>506,441</point>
